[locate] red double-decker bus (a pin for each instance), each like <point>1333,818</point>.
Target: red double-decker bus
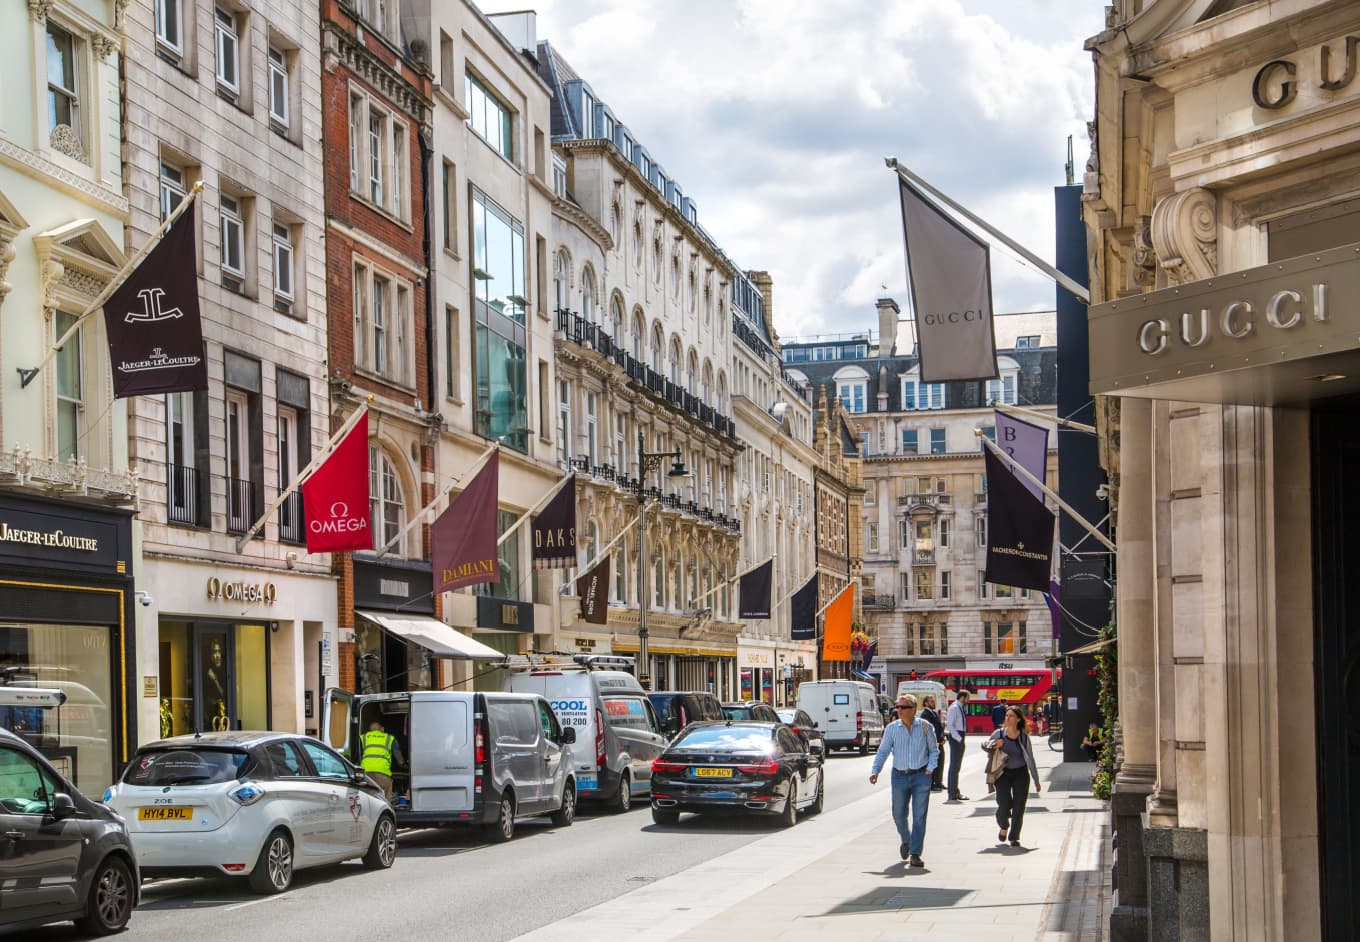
<point>988,688</point>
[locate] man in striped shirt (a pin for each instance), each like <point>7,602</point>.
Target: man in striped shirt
<point>911,742</point>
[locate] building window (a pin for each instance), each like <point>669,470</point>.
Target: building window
<point>385,506</point>
<point>169,25</point>
<point>852,396</point>
<point>592,428</point>
<point>70,389</point>
<point>356,119</point>
<point>944,587</point>
<point>283,267</point>
<point>870,492</point>
<point>233,250</point>
<point>917,395</point>
<point>871,538</point>
<point>911,444</point>
<point>377,134</point>
<point>982,586</point>
<point>228,52</point>
<point>63,96</point>
<point>500,335</point>
<point>240,489</point>
<point>1003,591</point>
<point>451,353</point>
<point>1001,390</point>
<point>382,317</point>
<point>937,441</point>
<point>988,432</point>
<point>906,586</point>
<point>1028,342</point>
<point>278,88</point>
<point>172,189</point>
<point>488,117</point>
<point>449,191</point>
<point>563,422</point>
<point>981,525</point>
<point>659,582</point>
<point>944,532</point>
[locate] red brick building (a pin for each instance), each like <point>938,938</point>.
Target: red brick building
<point>376,106</point>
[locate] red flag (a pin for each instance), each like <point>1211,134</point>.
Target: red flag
<point>463,547</point>
<point>335,497</point>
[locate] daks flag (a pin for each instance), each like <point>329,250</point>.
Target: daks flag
<point>836,630</point>
<point>335,496</point>
<point>754,591</point>
<point>463,548</point>
<point>951,293</point>
<point>593,590</point>
<point>1019,531</point>
<point>1027,443</point>
<point>803,612</point>
<point>554,530</point>
<point>152,322</point>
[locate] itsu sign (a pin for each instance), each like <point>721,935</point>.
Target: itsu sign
<point>335,497</point>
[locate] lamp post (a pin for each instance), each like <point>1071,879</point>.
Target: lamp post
<point>647,464</point>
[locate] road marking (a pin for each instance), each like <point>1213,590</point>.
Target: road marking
<point>255,902</point>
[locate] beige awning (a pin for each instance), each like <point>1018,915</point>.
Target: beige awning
<point>433,635</point>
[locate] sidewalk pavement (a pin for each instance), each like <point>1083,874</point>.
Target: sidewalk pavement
<point>838,875</point>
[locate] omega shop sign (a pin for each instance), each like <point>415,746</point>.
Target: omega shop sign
<point>1287,332</point>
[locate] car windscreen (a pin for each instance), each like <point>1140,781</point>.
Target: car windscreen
<point>737,713</point>
<point>185,767</point>
<point>787,716</point>
<point>723,738</point>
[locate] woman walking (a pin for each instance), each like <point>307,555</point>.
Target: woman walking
<point>1012,785</point>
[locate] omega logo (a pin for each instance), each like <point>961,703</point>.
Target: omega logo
<point>1283,310</point>
<point>1265,96</point>
<point>340,521</point>
<point>225,591</point>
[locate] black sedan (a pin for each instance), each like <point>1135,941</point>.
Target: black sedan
<point>737,768</point>
<point>801,723</point>
<point>750,710</point>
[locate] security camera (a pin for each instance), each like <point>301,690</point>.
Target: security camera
<point>144,597</point>
<point>1103,492</point>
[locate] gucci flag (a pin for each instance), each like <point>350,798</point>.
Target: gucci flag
<point>1019,531</point>
<point>593,590</point>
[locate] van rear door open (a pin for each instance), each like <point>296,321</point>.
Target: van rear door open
<point>441,755</point>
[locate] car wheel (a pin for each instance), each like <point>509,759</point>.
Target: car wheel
<point>110,904</point>
<point>273,871</point>
<point>566,814</point>
<point>819,802</point>
<point>504,828</point>
<point>623,801</point>
<point>790,816</point>
<point>665,817</point>
<point>382,850</point>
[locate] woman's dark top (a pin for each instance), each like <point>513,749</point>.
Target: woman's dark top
<point>1015,759</point>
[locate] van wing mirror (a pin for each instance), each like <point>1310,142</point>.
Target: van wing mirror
<point>63,807</point>
<point>568,735</point>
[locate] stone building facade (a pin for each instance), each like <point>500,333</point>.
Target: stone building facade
<point>838,505</point>
<point>1222,199</point>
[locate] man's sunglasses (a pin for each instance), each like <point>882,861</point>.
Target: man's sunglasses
<point>903,706</point>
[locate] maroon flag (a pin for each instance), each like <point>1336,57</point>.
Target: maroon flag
<point>593,590</point>
<point>554,530</point>
<point>463,547</point>
<point>335,497</point>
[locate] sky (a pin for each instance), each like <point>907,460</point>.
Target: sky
<point>775,115</point>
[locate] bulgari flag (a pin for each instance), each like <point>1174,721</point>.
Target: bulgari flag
<point>152,321</point>
<point>803,612</point>
<point>951,293</point>
<point>463,547</point>
<point>554,530</point>
<point>1019,531</point>
<point>1027,443</point>
<point>754,591</point>
<point>593,590</point>
<point>335,496</point>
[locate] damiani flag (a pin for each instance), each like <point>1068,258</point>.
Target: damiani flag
<point>335,496</point>
<point>463,548</point>
<point>1019,531</point>
<point>1027,443</point>
<point>836,631</point>
<point>152,321</point>
<point>754,592</point>
<point>554,530</point>
<point>803,612</point>
<point>593,590</point>
<point>951,293</point>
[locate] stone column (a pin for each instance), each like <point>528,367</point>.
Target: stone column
<point>1137,670</point>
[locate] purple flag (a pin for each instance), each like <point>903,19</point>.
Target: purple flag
<point>463,548</point>
<point>1027,444</point>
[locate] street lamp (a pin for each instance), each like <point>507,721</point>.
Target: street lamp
<point>647,464</point>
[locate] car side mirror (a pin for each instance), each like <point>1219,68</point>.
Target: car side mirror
<point>568,735</point>
<point>815,748</point>
<point>63,807</point>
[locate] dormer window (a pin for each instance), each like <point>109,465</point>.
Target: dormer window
<point>1002,390</point>
<point>851,388</point>
<point>917,395</point>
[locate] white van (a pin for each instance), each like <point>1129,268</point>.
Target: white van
<point>617,731</point>
<point>920,689</point>
<point>846,711</point>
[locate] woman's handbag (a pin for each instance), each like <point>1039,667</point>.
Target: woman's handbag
<point>996,764</point>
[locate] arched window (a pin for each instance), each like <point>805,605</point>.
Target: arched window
<point>678,600</point>
<point>658,345</point>
<point>639,332</point>
<point>676,358</point>
<point>588,295</point>
<point>619,560</point>
<point>692,377</point>
<point>852,385</point>
<point>615,224</point>
<point>386,508</point>
<point>708,304</point>
<point>592,540</point>
<point>721,404</point>
<point>1004,389</point>
<point>637,245</point>
<point>707,391</point>
<point>560,280</point>
<point>616,319</point>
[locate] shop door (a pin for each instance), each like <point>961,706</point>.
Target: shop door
<point>1336,558</point>
<point>215,658</point>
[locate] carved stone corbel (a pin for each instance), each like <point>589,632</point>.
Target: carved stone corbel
<point>1143,259</point>
<point>51,273</point>
<point>103,47</point>
<point>38,10</point>
<point>1185,235</point>
<point>7,255</point>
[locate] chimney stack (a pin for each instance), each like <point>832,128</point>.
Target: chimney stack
<point>887,326</point>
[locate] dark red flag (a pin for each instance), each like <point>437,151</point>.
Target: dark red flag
<point>593,590</point>
<point>335,497</point>
<point>463,548</point>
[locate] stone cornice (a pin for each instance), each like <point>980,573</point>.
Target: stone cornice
<point>340,46</point>
<point>39,168</point>
<point>580,217</point>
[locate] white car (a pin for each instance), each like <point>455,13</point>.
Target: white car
<point>253,805</point>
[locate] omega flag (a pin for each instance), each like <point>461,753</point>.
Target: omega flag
<point>1027,443</point>
<point>803,612</point>
<point>1019,531</point>
<point>555,530</point>
<point>951,293</point>
<point>335,497</point>
<point>754,592</point>
<point>152,322</point>
<point>593,590</point>
<point>463,548</point>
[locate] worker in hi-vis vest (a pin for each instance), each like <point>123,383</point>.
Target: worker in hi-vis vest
<point>380,752</point>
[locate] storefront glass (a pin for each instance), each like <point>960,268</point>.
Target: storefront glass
<point>213,677</point>
<point>76,659</point>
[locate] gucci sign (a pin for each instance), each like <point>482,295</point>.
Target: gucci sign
<point>227,591</point>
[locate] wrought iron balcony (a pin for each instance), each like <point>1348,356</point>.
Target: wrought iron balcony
<point>243,504</point>
<point>292,522</point>
<point>930,499</point>
<point>183,498</point>
<point>879,601</point>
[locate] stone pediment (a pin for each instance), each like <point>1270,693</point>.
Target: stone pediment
<point>83,244</point>
<point>12,221</point>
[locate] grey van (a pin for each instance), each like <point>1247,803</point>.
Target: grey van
<point>471,758</point>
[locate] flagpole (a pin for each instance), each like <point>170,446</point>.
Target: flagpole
<point>801,586</point>
<point>820,611</point>
<point>419,515</point>
<point>1017,466</point>
<point>534,509</point>
<point>1075,289</point>
<point>312,465</point>
<point>1067,423</point>
<point>114,283</point>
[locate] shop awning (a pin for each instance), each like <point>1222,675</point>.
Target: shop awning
<point>432,634</point>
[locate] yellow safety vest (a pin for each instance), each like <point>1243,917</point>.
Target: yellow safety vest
<point>377,756</point>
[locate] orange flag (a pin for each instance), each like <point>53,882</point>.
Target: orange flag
<point>836,631</point>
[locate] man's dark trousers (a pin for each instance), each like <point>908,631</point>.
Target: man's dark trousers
<point>955,762</point>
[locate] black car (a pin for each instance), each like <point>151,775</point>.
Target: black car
<point>676,709</point>
<point>62,856</point>
<point>801,723</point>
<point>750,710</point>
<point>731,767</point>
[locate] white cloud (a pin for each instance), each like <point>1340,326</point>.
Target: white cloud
<point>775,118</point>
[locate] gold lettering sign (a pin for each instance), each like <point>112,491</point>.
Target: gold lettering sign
<point>464,570</point>
<point>220,590</point>
<point>509,614</point>
<point>56,538</point>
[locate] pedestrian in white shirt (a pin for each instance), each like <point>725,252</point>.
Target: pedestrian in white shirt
<point>911,742</point>
<point>956,729</point>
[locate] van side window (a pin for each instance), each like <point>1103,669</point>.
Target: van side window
<point>514,723</point>
<point>548,722</point>
<point>652,722</point>
<point>626,712</point>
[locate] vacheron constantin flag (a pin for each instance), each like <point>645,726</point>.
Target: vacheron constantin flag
<point>1019,531</point>
<point>463,541</point>
<point>803,612</point>
<point>152,321</point>
<point>335,496</point>
<point>593,590</point>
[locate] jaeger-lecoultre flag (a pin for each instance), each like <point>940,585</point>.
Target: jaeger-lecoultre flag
<point>335,496</point>
<point>1019,531</point>
<point>463,548</point>
<point>554,530</point>
<point>152,320</point>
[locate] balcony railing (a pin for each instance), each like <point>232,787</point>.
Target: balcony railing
<point>931,499</point>
<point>292,525</point>
<point>184,487</point>
<point>980,499</point>
<point>923,556</point>
<point>243,504</point>
<point>879,601</point>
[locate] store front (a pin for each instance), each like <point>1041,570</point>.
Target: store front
<point>66,597</point>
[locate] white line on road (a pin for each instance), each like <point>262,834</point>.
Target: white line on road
<point>255,902</point>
